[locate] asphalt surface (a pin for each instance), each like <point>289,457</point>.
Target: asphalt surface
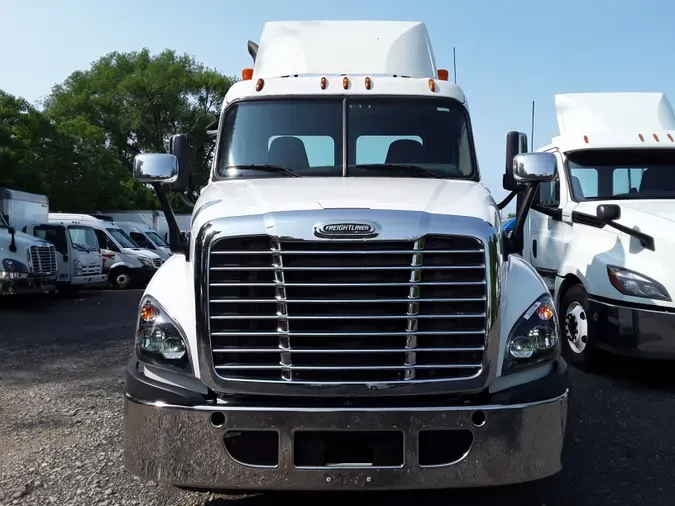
<point>61,385</point>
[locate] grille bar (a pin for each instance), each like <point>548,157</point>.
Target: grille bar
<point>319,350</point>
<point>347,312</point>
<point>350,268</point>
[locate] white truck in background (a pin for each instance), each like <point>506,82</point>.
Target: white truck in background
<point>79,262</point>
<point>346,312</point>
<point>603,232</point>
<point>125,264</point>
<point>146,237</point>
<point>27,264</point>
<point>150,218</point>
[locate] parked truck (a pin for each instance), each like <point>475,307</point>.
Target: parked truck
<point>367,326</point>
<point>601,233</point>
<point>125,263</point>
<point>78,259</point>
<point>27,264</point>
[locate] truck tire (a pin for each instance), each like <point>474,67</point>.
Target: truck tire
<point>120,278</point>
<point>579,347</point>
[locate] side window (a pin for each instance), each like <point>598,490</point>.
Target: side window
<point>549,192</point>
<point>141,240</point>
<point>374,148</point>
<point>104,241</point>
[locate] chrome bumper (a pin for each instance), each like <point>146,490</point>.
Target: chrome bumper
<point>181,446</point>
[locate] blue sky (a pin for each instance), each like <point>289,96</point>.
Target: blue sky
<point>509,53</point>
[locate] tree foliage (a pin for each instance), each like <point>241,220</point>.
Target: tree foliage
<point>79,151</point>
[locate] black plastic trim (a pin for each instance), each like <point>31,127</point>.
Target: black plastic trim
<point>552,385</point>
<point>146,389</point>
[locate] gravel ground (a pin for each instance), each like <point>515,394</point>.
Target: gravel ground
<point>61,384</point>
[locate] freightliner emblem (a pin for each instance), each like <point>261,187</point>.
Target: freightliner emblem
<point>345,230</point>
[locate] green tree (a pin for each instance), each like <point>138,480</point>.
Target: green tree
<point>137,101</point>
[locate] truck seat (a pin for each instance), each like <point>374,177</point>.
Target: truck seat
<point>288,152</point>
<point>405,151</point>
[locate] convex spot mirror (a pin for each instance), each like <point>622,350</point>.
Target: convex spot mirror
<point>608,212</point>
<point>534,167</point>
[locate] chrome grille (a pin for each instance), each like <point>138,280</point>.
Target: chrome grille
<point>43,260</point>
<point>157,262</point>
<point>347,311</point>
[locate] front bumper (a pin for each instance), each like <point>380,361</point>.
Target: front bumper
<point>27,286</point>
<point>630,331</point>
<point>93,279</point>
<point>143,275</point>
<point>185,444</point>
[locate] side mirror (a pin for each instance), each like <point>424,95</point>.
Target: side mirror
<point>179,147</point>
<point>516,143</point>
<point>11,230</point>
<point>608,212</point>
<point>534,167</point>
<point>156,168</point>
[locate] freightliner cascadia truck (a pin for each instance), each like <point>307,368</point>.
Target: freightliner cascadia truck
<point>366,326</point>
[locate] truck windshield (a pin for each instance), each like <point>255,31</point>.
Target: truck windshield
<point>386,137</point>
<point>83,238</point>
<point>622,174</point>
<point>122,238</point>
<point>154,237</point>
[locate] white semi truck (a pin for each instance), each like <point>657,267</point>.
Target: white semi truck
<point>27,264</point>
<point>345,313</point>
<point>601,233</point>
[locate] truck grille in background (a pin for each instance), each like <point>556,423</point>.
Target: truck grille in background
<point>157,262</point>
<point>90,270</point>
<point>43,259</point>
<point>347,311</point>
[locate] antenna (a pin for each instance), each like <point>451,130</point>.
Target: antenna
<point>532,135</point>
<point>454,65</point>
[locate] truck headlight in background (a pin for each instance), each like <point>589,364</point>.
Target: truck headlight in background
<point>13,269</point>
<point>636,285</point>
<point>145,261</point>
<point>159,339</point>
<point>77,268</point>
<point>535,339</point>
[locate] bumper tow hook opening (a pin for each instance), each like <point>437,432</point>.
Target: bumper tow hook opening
<point>478,418</point>
<point>217,419</point>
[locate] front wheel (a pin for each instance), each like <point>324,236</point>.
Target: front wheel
<point>578,342</point>
<point>120,279</point>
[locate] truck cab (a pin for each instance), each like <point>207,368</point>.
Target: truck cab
<point>602,232</point>
<point>79,260</point>
<point>125,264</point>
<point>28,265</point>
<point>346,312</point>
<point>146,237</point>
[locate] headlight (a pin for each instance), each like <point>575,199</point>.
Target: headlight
<point>13,269</point>
<point>145,261</point>
<point>77,267</point>
<point>159,339</point>
<point>636,285</point>
<point>534,339</point>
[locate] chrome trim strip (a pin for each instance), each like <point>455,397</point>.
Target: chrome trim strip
<point>378,409</point>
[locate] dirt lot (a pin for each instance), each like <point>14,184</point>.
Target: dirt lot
<point>61,385</point>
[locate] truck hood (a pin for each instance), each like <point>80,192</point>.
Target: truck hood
<point>269,195</point>
<point>654,217</point>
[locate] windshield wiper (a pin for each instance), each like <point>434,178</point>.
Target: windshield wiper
<point>403,167</point>
<point>265,168</point>
<point>81,247</point>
